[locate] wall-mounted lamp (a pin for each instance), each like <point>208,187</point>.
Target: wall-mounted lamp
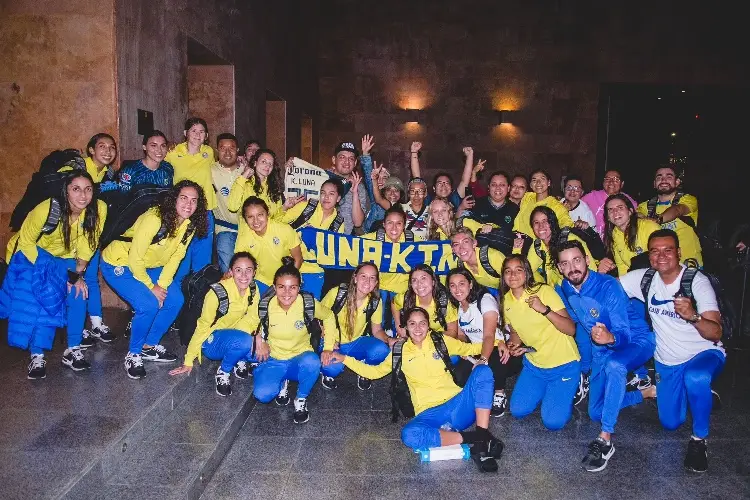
<point>412,115</point>
<point>505,116</point>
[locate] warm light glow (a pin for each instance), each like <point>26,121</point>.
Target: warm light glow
<point>506,101</point>
<point>412,127</point>
<point>413,94</point>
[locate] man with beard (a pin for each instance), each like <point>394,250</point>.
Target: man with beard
<point>612,184</point>
<point>674,210</point>
<point>495,208</point>
<point>620,339</point>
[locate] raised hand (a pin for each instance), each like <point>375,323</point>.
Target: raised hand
<point>368,142</point>
<point>468,151</point>
<point>478,167</point>
<point>416,146</point>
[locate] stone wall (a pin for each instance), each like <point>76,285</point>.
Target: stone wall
<point>458,61</point>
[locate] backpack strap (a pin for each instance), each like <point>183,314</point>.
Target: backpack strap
<point>648,277</point>
<point>308,301</point>
<point>442,306</point>
<point>308,211</point>
<point>651,207</point>
<point>372,306</point>
<point>338,305</point>
<point>484,259</point>
<point>408,235</point>
<point>442,350</point>
<point>564,234</point>
<point>396,356</point>
<point>542,255</point>
<point>223,296</point>
<point>380,234</point>
<point>337,222</point>
<point>263,311</point>
<point>686,283</point>
<point>53,218</point>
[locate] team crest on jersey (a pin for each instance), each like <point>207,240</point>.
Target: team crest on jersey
<point>225,191</point>
<point>125,176</point>
<point>594,313</point>
<point>299,324</point>
<point>276,240</point>
<point>436,355</point>
<point>119,271</point>
<point>205,155</point>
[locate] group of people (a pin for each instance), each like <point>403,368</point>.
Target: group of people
<point>543,308</point>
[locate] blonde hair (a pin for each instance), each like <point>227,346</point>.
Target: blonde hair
<point>450,226</point>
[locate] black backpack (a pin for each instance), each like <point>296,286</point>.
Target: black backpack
<point>589,236</point>
<point>308,212</point>
<point>50,224</point>
<point>484,261</point>
<point>313,325</point>
<point>140,198</point>
<point>340,301</point>
<point>46,183</point>
<point>194,288</point>
<point>400,395</point>
<point>728,316</point>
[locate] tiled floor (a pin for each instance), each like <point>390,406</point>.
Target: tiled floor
<point>350,450</point>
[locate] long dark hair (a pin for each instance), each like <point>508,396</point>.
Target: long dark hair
<point>530,285</point>
<point>275,183</point>
<point>476,291</point>
<point>410,298</point>
<point>408,312</point>
<point>168,210</point>
<point>554,227</point>
<point>91,213</point>
<point>630,233</point>
<point>95,138</point>
<point>351,297</point>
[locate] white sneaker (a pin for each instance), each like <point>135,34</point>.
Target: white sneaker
<point>283,398</point>
<point>223,385</point>
<point>301,414</point>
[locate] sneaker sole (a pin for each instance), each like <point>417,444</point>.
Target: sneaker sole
<point>158,360</point>
<point>303,421</point>
<point>223,395</point>
<point>604,465</point>
<point>133,377</point>
<point>282,404</point>
<point>326,387</point>
<point>695,471</point>
<point>498,415</point>
<point>36,378</point>
<point>70,365</point>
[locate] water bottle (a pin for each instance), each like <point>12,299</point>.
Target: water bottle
<point>453,452</point>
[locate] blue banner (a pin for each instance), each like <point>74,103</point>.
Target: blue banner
<point>340,251</point>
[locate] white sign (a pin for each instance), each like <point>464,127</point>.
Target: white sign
<point>304,179</point>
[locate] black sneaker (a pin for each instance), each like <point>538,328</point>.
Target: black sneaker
<point>158,354</point>
<point>499,404</point>
<point>223,385</point>
<point>37,367</point>
<point>283,397</point>
<point>482,454</point>
<point>103,333</point>
<point>583,389</point>
<point>301,414</point>
<point>364,384</point>
<point>73,359</point>
<point>87,340</point>
<point>638,384</point>
<point>328,383</point>
<point>598,455</point>
<point>134,366</point>
<point>696,459</point>
<point>241,371</point>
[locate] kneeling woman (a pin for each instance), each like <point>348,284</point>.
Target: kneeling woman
<point>269,241</point>
<point>283,345</point>
<point>359,331</point>
<point>229,338</point>
<point>478,315</point>
<point>141,264</point>
<point>443,410</point>
<point>540,330</point>
<point>55,243</point>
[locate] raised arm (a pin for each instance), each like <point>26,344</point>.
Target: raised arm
<point>467,173</point>
<point>414,162</point>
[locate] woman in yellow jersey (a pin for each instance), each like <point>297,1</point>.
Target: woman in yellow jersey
<point>228,338</point>
<point>542,332</point>
<point>539,196</point>
<point>263,179</point>
<point>391,284</point>
<point>542,255</point>
<point>57,239</point>
<point>470,257</point>
<point>283,347</point>
<point>425,291</point>
<point>359,332</point>
<point>102,153</point>
<point>192,161</point>
<point>443,411</point>
<point>140,267</point>
<point>625,236</point>
<point>479,323</point>
<point>324,215</point>
<point>443,221</point>
<point>269,241</point>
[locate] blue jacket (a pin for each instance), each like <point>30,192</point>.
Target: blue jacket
<point>603,300</point>
<point>376,211</point>
<point>32,296</point>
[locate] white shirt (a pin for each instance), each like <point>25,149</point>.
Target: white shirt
<point>677,341</point>
<point>471,323</point>
<point>421,226</point>
<point>582,212</point>
<point>223,179</point>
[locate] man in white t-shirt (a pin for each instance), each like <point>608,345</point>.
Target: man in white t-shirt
<point>689,353</point>
<point>579,210</point>
<point>223,174</point>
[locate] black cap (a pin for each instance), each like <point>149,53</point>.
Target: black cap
<point>346,146</point>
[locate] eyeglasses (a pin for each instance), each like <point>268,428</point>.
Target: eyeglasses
<point>417,191</point>
<point>443,183</point>
<point>573,188</point>
<point>611,179</point>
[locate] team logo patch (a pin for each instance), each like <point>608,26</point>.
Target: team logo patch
<point>210,339</point>
<point>205,155</point>
<point>119,271</point>
<point>594,313</point>
<point>436,355</point>
<point>125,176</point>
<point>224,191</point>
<point>299,324</point>
<point>507,219</point>
<point>276,240</point>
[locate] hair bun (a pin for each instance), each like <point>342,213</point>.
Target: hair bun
<point>287,261</point>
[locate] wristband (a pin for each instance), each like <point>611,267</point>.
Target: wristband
<point>73,277</point>
<point>547,311</point>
